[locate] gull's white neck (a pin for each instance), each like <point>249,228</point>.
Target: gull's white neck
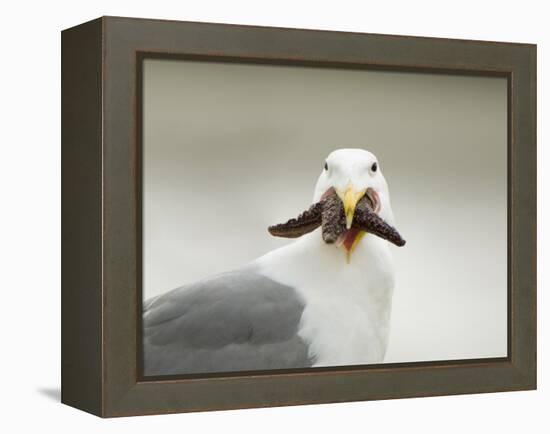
<point>347,305</point>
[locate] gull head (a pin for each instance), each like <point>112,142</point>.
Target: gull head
<point>354,173</point>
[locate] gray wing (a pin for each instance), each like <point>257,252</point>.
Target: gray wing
<point>236,321</point>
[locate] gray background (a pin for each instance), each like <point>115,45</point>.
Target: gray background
<point>230,149</point>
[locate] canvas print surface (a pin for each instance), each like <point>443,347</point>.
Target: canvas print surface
<point>298,217</point>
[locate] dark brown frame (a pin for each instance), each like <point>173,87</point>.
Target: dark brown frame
<point>101,216</point>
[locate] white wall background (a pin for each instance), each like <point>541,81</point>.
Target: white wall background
<point>30,189</point>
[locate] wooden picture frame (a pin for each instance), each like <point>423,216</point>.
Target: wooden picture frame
<point>101,215</point>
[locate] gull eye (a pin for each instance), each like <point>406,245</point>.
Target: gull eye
<point>374,167</point>
<point>326,165</point>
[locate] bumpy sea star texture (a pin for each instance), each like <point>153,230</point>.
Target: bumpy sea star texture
<point>329,213</point>
<point>333,219</point>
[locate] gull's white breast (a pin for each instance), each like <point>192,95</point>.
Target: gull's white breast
<point>347,305</point>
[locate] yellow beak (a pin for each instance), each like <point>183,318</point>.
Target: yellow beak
<point>350,197</point>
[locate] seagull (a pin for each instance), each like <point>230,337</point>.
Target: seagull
<point>319,301</point>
